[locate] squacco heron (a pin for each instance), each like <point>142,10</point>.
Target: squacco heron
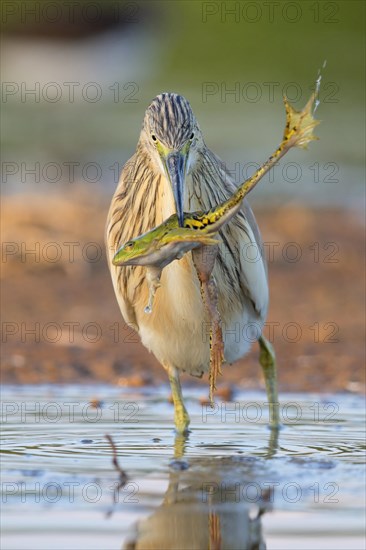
<point>168,241</point>
<point>173,171</point>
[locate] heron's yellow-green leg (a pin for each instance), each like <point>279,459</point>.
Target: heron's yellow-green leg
<point>180,443</point>
<point>204,260</point>
<point>181,416</point>
<point>267,359</point>
<point>272,447</point>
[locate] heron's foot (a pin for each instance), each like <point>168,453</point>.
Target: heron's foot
<point>273,441</point>
<point>267,359</point>
<point>181,416</point>
<point>181,420</point>
<point>180,443</point>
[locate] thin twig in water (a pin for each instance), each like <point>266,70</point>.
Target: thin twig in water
<point>123,477</point>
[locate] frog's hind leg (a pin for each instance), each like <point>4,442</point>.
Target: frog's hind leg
<point>204,260</point>
<point>216,339</point>
<point>153,279</point>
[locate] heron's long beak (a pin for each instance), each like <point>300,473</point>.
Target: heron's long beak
<point>175,165</point>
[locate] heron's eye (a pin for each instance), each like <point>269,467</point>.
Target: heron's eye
<point>153,137</point>
<point>191,136</point>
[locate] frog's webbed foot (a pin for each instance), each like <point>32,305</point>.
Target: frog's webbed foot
<point>204,261</point>
<point>300,124</point>
<point>153,279</point>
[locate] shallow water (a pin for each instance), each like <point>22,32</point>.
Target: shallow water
<point>230,485</point>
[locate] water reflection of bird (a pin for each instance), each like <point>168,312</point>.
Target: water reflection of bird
<point>173,170</point>
<point>205,508</point>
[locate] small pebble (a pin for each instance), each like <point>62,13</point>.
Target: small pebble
<point>32,473</point>
<point>135,381</point>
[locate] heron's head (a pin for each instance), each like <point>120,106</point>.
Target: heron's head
<point>172,137</point>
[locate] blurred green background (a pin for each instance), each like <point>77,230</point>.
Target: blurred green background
<point>135,50</point>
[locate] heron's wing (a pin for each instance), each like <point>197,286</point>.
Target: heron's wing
<point>249,216</point>
<point>119,229</point>
<point>249,264</point>
<point>124,301</point>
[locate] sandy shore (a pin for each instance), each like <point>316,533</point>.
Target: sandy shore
<point>61,323</point>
